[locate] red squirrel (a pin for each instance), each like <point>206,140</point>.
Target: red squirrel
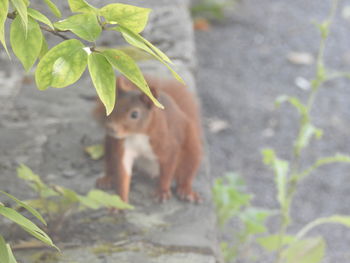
<point>171,137</point>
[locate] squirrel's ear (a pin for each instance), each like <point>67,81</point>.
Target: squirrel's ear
<point>146,100</point>
<point>123,84</point>
<point>99,111</point>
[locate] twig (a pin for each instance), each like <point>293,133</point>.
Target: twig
<point>55,32</point>
<point>31,244</point>
<point>45,28</point>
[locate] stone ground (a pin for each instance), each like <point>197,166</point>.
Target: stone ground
<point>242,69</point>
<point>49,130</point>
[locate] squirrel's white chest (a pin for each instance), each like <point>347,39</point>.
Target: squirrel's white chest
<point>136,146</point>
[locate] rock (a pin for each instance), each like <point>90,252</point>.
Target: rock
<point>54,121</point>
<point>69,173</point>
<point>300,58</point>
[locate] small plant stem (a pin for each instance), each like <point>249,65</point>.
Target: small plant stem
<point>56,32</point>
<point>60,220</point>
<point>281,234</point>
<point>44,200</point>
<point>294,177</point>
<point>311,99</point>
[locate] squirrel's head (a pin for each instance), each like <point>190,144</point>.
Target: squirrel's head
<point>132,112</point>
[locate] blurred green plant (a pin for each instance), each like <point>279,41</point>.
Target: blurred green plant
<point>287,248</point>
<point>6,254</point>
<point>57,202</point>
<point>233,202</point>
<point>95,151</point>
<point>211,9</point>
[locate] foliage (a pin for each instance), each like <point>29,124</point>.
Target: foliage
<point>57,202</point>
<point>63,64</point>
<point>232,201</point>
<point>211,9</point>
<point>6,255</point>
<point>95,151</point>
<point>288,175</point>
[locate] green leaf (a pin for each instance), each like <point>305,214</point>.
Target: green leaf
<point>25,173</point>
<point>45,205</point>
<point>336,219</point>
<point>3,15</point>
<point>107,200</point>
<point>306,133</point>
<point>137,54</point>
<point>281,168</point>
<point>69,195</point>
<point>85,26</point>
<point>27,225</point>
<point>209,9</point>
<point>21,8</point>
<point>95,151</point>
<point>81,6</point>
<point>103,78</point>
<point>229,253</point>
<point>40,17</point>
<point>269,156</point>
<point>338,158</point>
<point>271,243</point>
<point>132,17</point>
<point>26,46</point>
<point>138,41</point>
<point>254,220</point>
<point>229,196</point>
<point>156,50</point>
<point>35,182</point>
<point>11,256</point>
<point>87,203</point>
<point>53,8</point>
<point>127,66</point>
<point>309,250</point>
<point>324,28</point>
<point>62,65</point>
<point>26,206</point>
<point>294,101</point>
<point>4,256</point>
<point>44,48</point>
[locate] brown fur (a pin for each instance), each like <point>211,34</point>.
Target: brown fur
<point>174,135</point>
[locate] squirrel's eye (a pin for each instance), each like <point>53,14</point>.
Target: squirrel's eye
<point>134,114</point>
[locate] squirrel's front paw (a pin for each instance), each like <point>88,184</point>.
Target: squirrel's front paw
<point>187,194</point>
<point>105,183</point>
<point>163,195</point>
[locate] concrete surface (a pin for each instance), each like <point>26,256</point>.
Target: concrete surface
<point>242,69</point>
<point>49,130</point>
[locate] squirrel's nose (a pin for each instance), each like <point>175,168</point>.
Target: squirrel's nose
<point>112,128</point>
<point>116,130</point>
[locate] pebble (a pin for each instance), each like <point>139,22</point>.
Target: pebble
<point>69,173</point>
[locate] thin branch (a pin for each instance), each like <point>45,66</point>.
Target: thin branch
<point>55,32</point>
<point>45,28</point>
